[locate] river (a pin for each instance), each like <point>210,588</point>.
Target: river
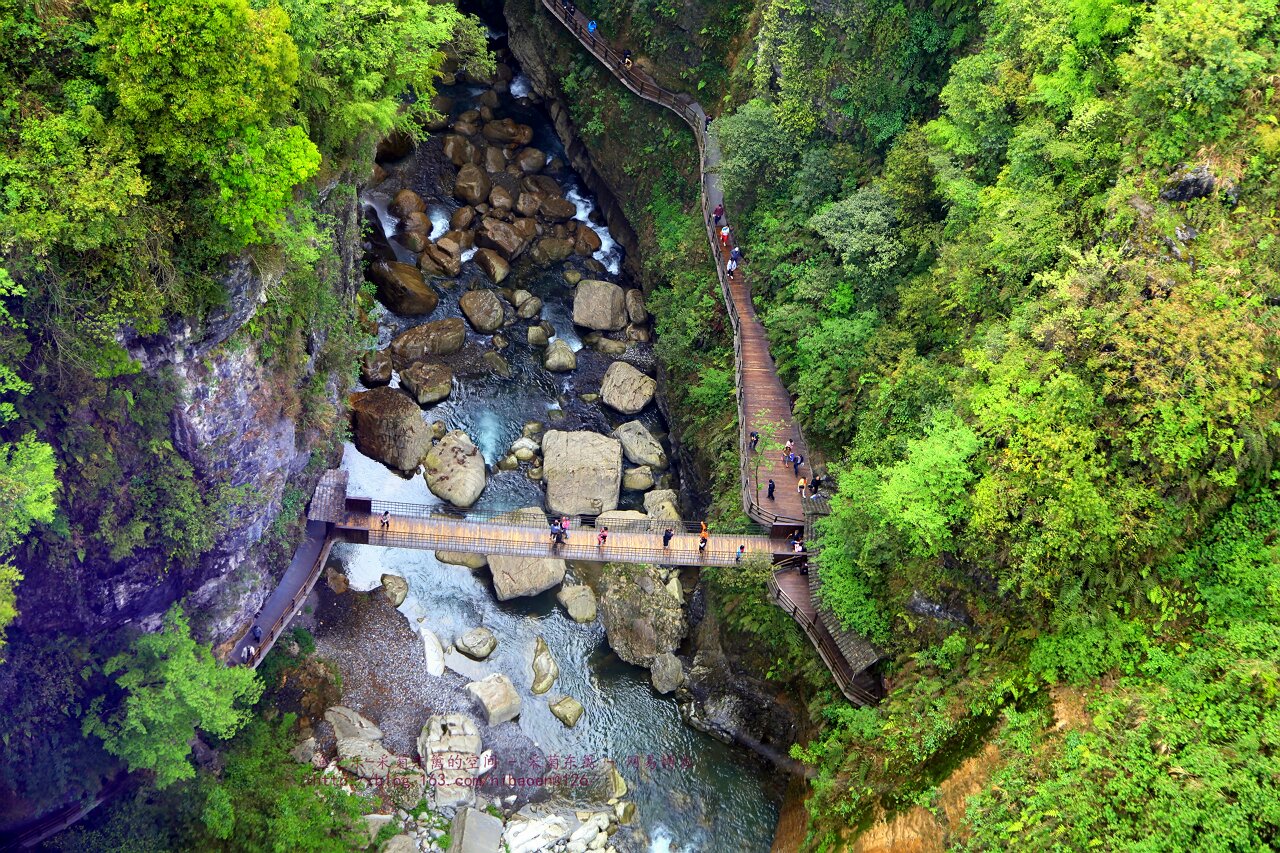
<point>692,792</point>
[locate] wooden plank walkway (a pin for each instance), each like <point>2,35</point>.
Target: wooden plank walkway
<point>764,405</point>
<point>489,537</point>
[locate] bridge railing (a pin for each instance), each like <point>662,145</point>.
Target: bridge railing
<point>581,545</point>
<point>817,633</point>
<point>277,627</point>
<point>522,518</point>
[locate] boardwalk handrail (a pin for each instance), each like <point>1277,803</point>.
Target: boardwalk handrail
<point>571,550</point>
<point>518,518</point>
<point>640,83</point>
<point>821,639</point>
<point>272,634</point>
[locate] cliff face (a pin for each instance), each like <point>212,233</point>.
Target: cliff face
<point>238,422</point>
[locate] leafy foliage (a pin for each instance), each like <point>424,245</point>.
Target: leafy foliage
<point>168,685</point>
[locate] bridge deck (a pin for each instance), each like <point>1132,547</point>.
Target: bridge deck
<point>493,537</point>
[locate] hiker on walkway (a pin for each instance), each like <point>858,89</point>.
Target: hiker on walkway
<point>813,483</point>
<point>736,254</point>
<point>796,461</point>
<point>244,655</point>
<point>591,26</point>
<point>257,633</point>
<point>789,446</point>
<point>717,213</point>
<point>602,536</point>
<point>800,487</point>
<point>386,519</point>
<point>731,267</point>
<point>706,123</point>
<point>702,542</point>
<point>797,547</point>
<point>724,236</point>
<point>755,439</point>
<point>704,528</point>
<point>770,495</point>
<point>742,549</point>
<point>626,59</point>
<point>556,532</point>
<point>666,537</point>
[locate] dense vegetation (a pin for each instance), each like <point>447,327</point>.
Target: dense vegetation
<point>148,152</point>
<point>1019,264</point>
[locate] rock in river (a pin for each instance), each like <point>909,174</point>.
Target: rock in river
<point>559,357</point>
<point>472,185</point>
<point>395,588</point>
<point>477,644</point>
<point>502,237</point>
<point>626,389</point>
<point>428,382</point>
<point>641,620</point>
<point>567,710</point>
<point>666,673</point>
<point>599,305</point>
<point>433,650</point>
<point>498,696</point>
<point>545,668</point>
<point>518,576</point>
<point>579,602</point>
<point>483,310</point>
<point>583,472</point>
<point>493,264</point>
<point>639,445</point>
<point>402,288</point>
<point>375,368</point>
<point>458,558</point>
<point>454,469</point>
<point>388,426</point>
<point>439,337</point>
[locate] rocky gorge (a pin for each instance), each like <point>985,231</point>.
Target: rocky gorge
<point>496,283</point>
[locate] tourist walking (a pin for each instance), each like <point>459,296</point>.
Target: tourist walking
<point>385,522</point>
<point>724,236</point>
<point>789,446</point>
<point>717,213</point>
<point>736,254</point>
<point>244,655</point>
<point>770,495</point>
<point>742,549</point>
<point>795,461</point>
<point>702,542</point>
<point>704,528</point>
<point>602,536</point>
<point>556,532</point>
<point>257,633</point>
<point>755,439</point>
<point>731,267</point>
<point>667,535</point>
<point>626,59</point>
<point>800,487</point>
<point>591,26</point>
<point>706,123</point>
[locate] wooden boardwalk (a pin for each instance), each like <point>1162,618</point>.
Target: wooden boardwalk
<point>764,405</point>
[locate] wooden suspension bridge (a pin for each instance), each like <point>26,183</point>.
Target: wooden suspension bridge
<point>764,408</point>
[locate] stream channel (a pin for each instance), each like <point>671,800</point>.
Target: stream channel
<point>706,795</point>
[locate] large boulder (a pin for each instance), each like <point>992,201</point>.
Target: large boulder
<point>437,261</point>
<point>626,389</point>
<point>402,288</point>
<point>557,209</point>
<point>513,576</point>
<point>583,472</point>
<point>666,673</point>
<point>406,202</point>
<point>586,241</point>
<point>365,758</point>
<point>641,620</point>
<point>477,644</point>
<point>473,185</point>
<point>494,265</point>
<point>599,305</point>
<point>662,504</point>
<point>638,479</point>
<point>459,150</point>
<point>636,310</point>
<point>433,650</point>
<point>545,668</point>
<point>498,696</point>
<point>474,831</point>
<point>483,309</point>
<point>567,710</point>
<point>454,469</point>
<point>350,724</point>
<point>388,426</point>
<point>507,132</point>
<point>395,588</point>
<point>458,558</point>
<point>502,237</point>
<point>579,602</point>
<point>461,219</point>
<point>559,357</point>
<point>449,745</point>
<point>550,250</point>
<point>531,160</point>
<point>439,337</point>
<point>375,368</point>
<point>1189,184</point>
<point>640,446</point>
<point>427,381</point>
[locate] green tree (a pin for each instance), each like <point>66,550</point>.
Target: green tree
<point>758,152</point>
<point>167,686</point>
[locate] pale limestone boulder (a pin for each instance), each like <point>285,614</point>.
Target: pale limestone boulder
<point>639,445</point>
<point>599,305</point>
<point>482,309</point>
<point>458,558</point>
<point>579,602</point>
<point>477,644</point>
<point>349,724</point>
<point>559,357</point>
<point>662,504</point>
<point>454,469</point>
<point>427,381</point>
<point>433,650</point>
<point>387,425</point>
<point>567,710</point>
<point>583,472</point>
<point>545,668</point>
<point>626,389</point>
<point>498,696</point>
<point>395,588</point>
